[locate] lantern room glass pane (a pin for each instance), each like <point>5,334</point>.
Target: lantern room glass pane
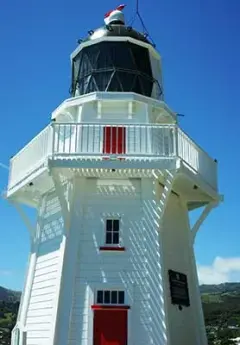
<point>113,66</point>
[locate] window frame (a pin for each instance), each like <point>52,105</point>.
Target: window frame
<point>112,246</point>
<point>112,232</point>
<point>110,290</point>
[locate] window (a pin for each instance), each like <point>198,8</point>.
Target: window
<point>114,140</point>
<point>112,231</point>
<point>111,236</point>
<point>110,297</point>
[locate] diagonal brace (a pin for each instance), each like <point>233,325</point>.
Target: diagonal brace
<point>207,209</point>
<point>25,218</point>
<point>59,187</point>
<point>162,204</point>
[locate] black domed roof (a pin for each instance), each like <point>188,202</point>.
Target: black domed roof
<point>116,30</point>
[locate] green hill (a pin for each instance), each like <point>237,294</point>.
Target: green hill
<point>220,288</point>
<point>9,295</point>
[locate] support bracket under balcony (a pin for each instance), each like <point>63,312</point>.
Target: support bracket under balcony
<point>170,177</point>
<point>207,209</point>
<point>25,218</point>
<point>64,195</point>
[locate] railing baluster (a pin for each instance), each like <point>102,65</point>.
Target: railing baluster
<point>56,128</point>
<point>104,132</point>
<point>153,140</point>
<point>81,133</point>
<point>70,138</point>
<point>118,142</point>
<point>140,138</point>
<point>53,140</point>
<point>169,140</point>
<point>146,141</point>
<point>111,139</point>
<point>93,138</point>
<point>64,138</point>
<point>76,137</point>
<point>134,138</point>
<point>87,137</point>
<point>175,142</point>
<point>123,142</point>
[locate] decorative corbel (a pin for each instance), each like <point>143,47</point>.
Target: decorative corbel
<point>207,209</point>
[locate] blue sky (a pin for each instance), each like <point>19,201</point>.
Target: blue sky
<point>199,44</point>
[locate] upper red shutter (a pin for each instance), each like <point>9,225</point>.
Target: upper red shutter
<point>114,140</point>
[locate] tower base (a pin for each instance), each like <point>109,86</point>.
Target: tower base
<point>81,279</point>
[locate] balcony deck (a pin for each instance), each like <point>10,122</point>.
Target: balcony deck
<point>84,146</point>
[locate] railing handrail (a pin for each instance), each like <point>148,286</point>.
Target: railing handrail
<point>113,124</point>
<point>18,161</point>
<point>197,145</point>
<point>30,142</point>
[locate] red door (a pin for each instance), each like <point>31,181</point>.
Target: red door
<point>110,327</point>
<point>114,140</point>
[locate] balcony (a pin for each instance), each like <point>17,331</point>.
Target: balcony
<point>82,145</point>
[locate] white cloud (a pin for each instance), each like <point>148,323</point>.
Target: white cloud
<point>220,271</point>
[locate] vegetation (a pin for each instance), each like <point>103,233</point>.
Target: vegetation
<point>221,306</point>
<point>8,317</point>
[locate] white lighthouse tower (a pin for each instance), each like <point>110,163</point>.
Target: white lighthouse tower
<point>113,179</point>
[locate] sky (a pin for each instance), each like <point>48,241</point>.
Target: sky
<point>199,44</point>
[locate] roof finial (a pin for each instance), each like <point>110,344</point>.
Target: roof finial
<point>115,16</point>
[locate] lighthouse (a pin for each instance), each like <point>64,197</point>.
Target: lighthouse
<point>113,179</point>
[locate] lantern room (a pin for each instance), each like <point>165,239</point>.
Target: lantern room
<point>116,58</point>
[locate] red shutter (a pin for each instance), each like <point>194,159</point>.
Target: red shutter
<point>114,140</point>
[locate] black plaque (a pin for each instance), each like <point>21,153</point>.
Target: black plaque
<point>179,288</point>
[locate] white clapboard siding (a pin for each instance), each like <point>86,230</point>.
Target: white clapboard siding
<point>33,320</point>
<point>43,326</point>
<point>138,269</point>
<point>41,300</point>
<point>49,276</point>
<point>104,199</point>
<point>47,263</point>
<point>37,334</point>
<point>37,340</point>
<point>40,305</point>
<point>44,286</point>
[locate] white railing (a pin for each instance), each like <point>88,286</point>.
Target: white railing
<point>196,158</point>
<point>122,140</point>
<point>31,158</point>
<point>95,141</point>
